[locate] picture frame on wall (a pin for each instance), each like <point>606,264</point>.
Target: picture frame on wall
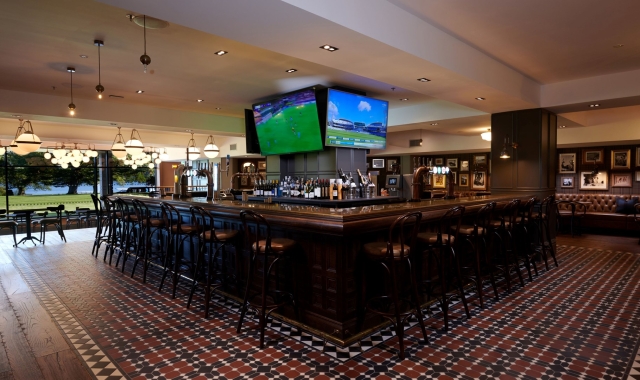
<point>464,166</point>
<point>567,163</point>
<point>638,176</point>
<point>479,181</point>
<point>464,180</point>
<point>621,180</point>
<point>377,163</point>
<point>452,163</point>
<point>566,182</point>
<point>439,161</point>
<point>593,156</point>
<point>638,156</point>
<point>620,159</point>
<point>594,181</point>
<point>439,181</point>
<point>262,165</point>
<point>480,159</point>
<point>391,163</point>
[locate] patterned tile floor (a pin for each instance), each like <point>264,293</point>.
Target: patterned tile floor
<point>579,321</point>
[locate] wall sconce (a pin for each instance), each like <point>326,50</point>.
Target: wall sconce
<point>504,153</point>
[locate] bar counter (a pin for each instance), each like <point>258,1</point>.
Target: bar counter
<point>330,241</point>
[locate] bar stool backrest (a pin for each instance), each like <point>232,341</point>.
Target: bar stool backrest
<point>546,206</point>
<point>141,210</point>
<point>403,232</point>
<point>526,210</point>
<point>484,218</point>
<point>204,221</point>
<point>449,225</point>
<point>256,228</point>
<point>57,210</point>
<point>172,217</point>
<point>510,213</point>
<point>566,206</point>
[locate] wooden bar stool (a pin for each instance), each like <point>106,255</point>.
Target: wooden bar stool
<point>541,215</point>
<point>393,255</point>
<point>146,227</point>
<point>441,249</point>
<point>55,221</point>
<point>271,251</point>
<point>502,228</point>
<point>216,240</point>
<point>481,265</point>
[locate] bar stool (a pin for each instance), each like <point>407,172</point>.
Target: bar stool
<point>146,227</point>
<point>216,240</point>
<point>502,228</point>
<point>477,236</point>
<point>52,221</point>
<point>102,225</point>
<point>126,231</point>
<point>441,249</point>
<point>392,255</point>
<point>262,246</point>
<point>114,231</point>
<point>541,217</point>
<point>524,228</point>
<point>8,223</point>
<point>175,260</point>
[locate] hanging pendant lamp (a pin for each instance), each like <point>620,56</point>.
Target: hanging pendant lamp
<point>145,59</point>
<point>192,151</point>
<point>99,87</point>
<point>72,107</point>
<point>134,146</point>
<point>211,150</point>
<point>26,141</point>
<point>117,148</point>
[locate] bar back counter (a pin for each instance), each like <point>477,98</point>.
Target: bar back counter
<point>330,241</point>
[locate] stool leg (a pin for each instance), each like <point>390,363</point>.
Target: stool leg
<point>199,263</point>
<point>396,305</point>
<point>443,285</point>
<point>243,307</point>
<point>15,242</point>
<point>416,300</point>
<point>460,284</point>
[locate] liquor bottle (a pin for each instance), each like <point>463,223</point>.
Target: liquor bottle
<point>255,188</point>
<point>316,189</point>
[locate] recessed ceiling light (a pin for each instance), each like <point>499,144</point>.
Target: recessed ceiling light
<point>200,100</point>
<point>618,46</point>
<point>18,116</point>
<point>424,80</point>
<point>404,99</point>
<point>218,108</point>
<point>113,123</point>
<point>479,98</point>
<point>291,71</point>
<point>222,52</point>
<point>242,135</point>
<point>329,48</point>
<point>594,105</point>
<point>139,92</point>
<point>434,123</point>
<point>84,56</point>
<point>562,126</point>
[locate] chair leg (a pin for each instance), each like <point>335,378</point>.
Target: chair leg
<point>416,300</point>
<point>15,242</point>
<point>243,307</point>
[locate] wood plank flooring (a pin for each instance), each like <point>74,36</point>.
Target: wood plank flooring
<point>32,345</point>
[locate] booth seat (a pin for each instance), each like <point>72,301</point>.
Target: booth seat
<point>601,211</point>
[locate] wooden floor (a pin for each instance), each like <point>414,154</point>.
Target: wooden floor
<point>34,348</point>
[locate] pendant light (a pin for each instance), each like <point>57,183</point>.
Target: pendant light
<point>211,150</point>
<point>118,148</point>
<point>3,150</point>
<point>486,136</point>
<point>72,107</point>
<point>26,140</point>
<point>99,87</point>
<point>192,151</point>
<point>145,59</point>
<point>134,146</point>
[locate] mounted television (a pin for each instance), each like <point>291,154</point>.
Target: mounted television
<point>289,124</point>
<point>251,137</point>
<point>356,121</point>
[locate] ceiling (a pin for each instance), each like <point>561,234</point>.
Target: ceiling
<point>516,55</point>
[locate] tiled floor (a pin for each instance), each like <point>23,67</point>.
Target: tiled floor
<point>579,321</point>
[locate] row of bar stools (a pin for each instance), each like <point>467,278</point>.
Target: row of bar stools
<point>146,227</point>
<point>102,225</point>
<point>503,229</point>
<point>216,241</point>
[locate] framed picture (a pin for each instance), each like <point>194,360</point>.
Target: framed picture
<point>464,166</point>
<point>452,163</point>
<point>567,163</point>
<point>566,182</point>
<point>391,164</point>
<point>621,180</point>
<point>480,159</point>
<point>479,181</point>
<point>439,181</point>
<point>620,158</point>
<point>464,180</point>
<point>262,165</point>
<point>439,161</point>
<point>638,156</point>
<point>377,163</point>
<point>593,156</point>
<point>244,181</point>
<point>638,176</point>
<point>593,181</point>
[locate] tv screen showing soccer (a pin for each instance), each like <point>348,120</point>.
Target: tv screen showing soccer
<point>356,121</point>
<point>288,124</point>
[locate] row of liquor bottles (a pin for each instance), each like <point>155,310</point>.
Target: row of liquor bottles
<point>341,188</point>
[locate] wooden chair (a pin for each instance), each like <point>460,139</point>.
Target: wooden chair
<point>52,221</point>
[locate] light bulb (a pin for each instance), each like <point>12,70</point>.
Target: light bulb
<point>150,166</point>
<point>134,166</point>
<point>154,155</point>
<point>64,165</point>
<point>47,156</point>
<point>157,161</point>
<point>54,160</point>
<point>72,112</point>
<point>75,164</point>
<point>85,159</point>
<point>3,150</point>
<point>145,68</point>
<point>99,96</point>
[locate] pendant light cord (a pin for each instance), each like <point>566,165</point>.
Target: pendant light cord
<point>99,69</point>
<point>71,72</point>
<point>144,26</point>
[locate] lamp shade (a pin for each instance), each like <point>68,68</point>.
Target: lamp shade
<point>16,149</point>
<point>193,153</point>
<point>211,150</point>
<point>119,150</point>
<point>134,147</point>
<point>2,150</point>
<point>486,136</point>
<point>28,142</point>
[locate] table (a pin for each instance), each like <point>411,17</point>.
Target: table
<point>27,213</point>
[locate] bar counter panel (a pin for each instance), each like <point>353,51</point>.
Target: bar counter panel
<point>330,241</point>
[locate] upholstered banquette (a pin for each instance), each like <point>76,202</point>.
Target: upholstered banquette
<point>601,210</point>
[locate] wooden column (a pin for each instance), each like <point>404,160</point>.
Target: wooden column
<point>531,168</point>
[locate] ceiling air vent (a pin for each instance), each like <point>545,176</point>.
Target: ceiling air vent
<point>417,142</point>
<point>233,147</point>
<point>116,96</point>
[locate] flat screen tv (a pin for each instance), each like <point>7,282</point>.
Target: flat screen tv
<point>289,124</point>
<point>356,121</point>
<point>251,137</point>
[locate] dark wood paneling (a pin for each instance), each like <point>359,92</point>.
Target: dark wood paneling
<point>526,157</point>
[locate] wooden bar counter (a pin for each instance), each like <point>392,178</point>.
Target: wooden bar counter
<point>330,242</point>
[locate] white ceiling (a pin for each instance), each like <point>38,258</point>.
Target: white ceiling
<point>513,53</point>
